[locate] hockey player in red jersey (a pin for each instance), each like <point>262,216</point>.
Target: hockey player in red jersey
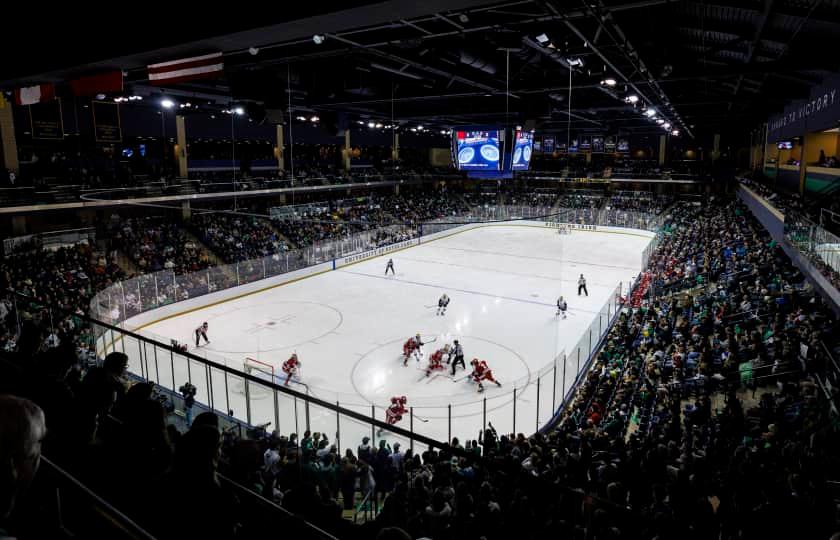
<point>412,346</point>
<point>290,367</point>
<point>436,360</point>
<point>481,372</point>
<point>395,411</point>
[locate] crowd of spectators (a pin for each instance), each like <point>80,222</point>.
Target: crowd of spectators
<point>660,440</point>
<point>65,278</point>
<point>239,237</point>
<point>155,244</point>
<point>639,202</point>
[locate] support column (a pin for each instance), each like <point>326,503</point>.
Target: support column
<point>662,141</point>
<point>8,143</point>
<point>186,211</point>
<point>802,167</point>
<point>181,146</point>
<point>588,157</point>
<point>347,150</point>
<point>716,147</point>
<point>395,152</point>
<point>278,151</point>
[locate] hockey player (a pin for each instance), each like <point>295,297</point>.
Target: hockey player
<point>457,356</point>
<point>390,267</point>
<point>201,332</point>
<point>413,346</point>
<point>582,285</point>
<point>481,372</point>
<point>291,367</point>
<point>436,359</point>
<point>561,307</point>
<point>395,411</point>
<point>442,303</point>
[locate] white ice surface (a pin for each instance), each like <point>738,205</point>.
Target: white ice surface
<point>348,327</point>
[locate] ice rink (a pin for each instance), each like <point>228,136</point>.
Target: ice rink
<point>348,326</point>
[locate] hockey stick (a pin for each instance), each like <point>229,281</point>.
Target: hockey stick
<point>462,378</point>
<point>424,420</point>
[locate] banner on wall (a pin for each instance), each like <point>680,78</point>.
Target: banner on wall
<point>597,143</point>
<point>609,144</point>
<point>106,122</point>
<point>548,145</point>
<point>819,111</point>
<point>45,121</point>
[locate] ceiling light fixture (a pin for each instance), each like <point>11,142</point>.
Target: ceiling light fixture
<point>609,81</point>
<point>167,103</point>
<point>650,112</point>
<point>543,39</point>
<point>632,98</point>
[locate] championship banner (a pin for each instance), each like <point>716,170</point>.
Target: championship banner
<point>45,120</point>
<point>106,122</point>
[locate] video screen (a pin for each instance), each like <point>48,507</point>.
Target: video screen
<point>477,150</point>
<point>523,146</point>
<point>785,145</point>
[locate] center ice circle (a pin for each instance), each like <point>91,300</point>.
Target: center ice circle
<point>273,326</point>
<point>380,374</point>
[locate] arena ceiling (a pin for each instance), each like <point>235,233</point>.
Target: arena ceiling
<point>705,67</point>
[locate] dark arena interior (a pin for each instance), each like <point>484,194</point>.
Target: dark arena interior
<point>394,270</point>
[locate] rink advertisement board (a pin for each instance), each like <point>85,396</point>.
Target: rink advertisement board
<point>374,253</point>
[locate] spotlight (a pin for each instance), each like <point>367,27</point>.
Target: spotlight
<point>314,118</point>
<point>609,82</point>
<point>575,62</point>
<point>371,125</point>
<point>302,118</point>
<point>167,103</point>
<point>543,39</point>
<point>318,39</point>
<point>666,125</point>
<point>100,96</point>
<point>419,128</point>
<point>632,98</point>
<point>188,104</point>
<point>650,112</point>
<point>660,121</point>
<point>463,18</point>
<point>239,110</point>
<point>443,132</point>
<point>675,133</point>
<point>413,129</point>
<point>378,126</point>
<point>360,122</point>
<point>253,51</point>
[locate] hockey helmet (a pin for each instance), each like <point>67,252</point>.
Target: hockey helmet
<point>403,400</point>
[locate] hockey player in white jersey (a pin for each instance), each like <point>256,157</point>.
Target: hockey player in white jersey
<point>561,307</point>
<point>442,304</point>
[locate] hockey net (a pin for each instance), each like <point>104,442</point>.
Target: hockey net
<point>266,372</point>
<point>564,228</point>
<point>260,370</point>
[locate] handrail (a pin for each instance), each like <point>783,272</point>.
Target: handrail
<point>273,506</point>
<point>365,501</point>
<point>114,517</point>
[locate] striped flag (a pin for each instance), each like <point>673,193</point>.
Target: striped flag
<point>30,95</point>
<point>186,69</point>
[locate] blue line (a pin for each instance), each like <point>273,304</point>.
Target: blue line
<point>478,293</point>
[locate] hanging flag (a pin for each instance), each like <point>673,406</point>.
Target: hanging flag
<point>31,95</point>
<point>103,83</point>
<point>186,69</point>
